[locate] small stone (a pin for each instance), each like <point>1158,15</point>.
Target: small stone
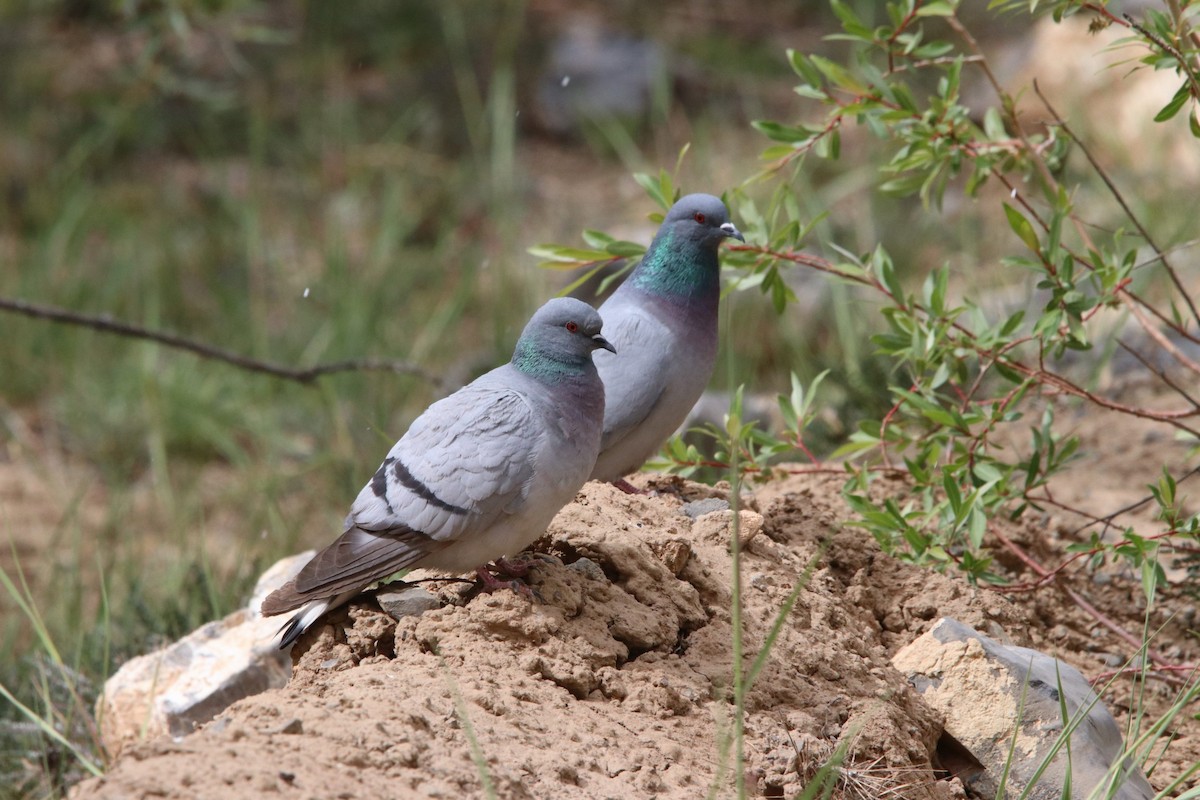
<point>408,601</point>
<point>548,559</point>
<point>674,554</point>
<point>292,727</point>
<point>698,508</point>
<point>750,524</point>
<point>587,567</point>
<point>716,526</point>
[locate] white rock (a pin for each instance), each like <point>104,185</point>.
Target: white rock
<point>185,684</point>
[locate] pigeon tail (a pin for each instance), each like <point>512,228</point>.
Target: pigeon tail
<point>303,619</point>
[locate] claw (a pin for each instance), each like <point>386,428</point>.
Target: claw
<point>488,582</point>
<point>517,568</point>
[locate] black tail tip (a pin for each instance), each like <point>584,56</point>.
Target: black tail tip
<point>290,632</point>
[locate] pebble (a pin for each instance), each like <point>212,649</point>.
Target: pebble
<point>585,566</point>
<point>698,508</point>
<point>410,601</point>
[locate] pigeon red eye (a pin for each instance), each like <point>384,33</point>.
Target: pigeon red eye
<point>572,327</point>
<point>699,217</point>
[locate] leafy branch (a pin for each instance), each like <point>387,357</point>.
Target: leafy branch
<point>967,382</point>
<point>964,378</point>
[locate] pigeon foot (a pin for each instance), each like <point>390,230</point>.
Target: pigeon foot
<point>488,582</point>
<point>518,567</point>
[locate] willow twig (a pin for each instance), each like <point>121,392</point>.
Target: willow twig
<point>306,375</point>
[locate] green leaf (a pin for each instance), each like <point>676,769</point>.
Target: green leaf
<point>803,67</point>
<point>993,124</point>
<point>838,75</point>
<point>937,8</point>
<point>624,249</point>
<point>559,257</point>
<point>987,472</point>
<point>1176,103</point>
<point>1021,226</point>
<point>776,152</point>
<point>850,21</point>
<point>659,189</point>
<point>597,239</point>
<point>830,146</point>
<point>904,185</point>
<point>780,132</point>
<point>811,92</point>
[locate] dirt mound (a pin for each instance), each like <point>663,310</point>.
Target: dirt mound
<point>617,681</point>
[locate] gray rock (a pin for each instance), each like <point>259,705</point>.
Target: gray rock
<point>183,685</point>
<point>982,687</point>
<point>407,601</point>
<point>698,508</point>
<point>587,567</point>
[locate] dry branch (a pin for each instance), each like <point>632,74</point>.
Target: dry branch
<point>304,375</point>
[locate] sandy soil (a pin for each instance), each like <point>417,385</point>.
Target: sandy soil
<point>617,681</point>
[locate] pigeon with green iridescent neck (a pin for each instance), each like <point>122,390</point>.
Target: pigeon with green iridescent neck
<point>663,322</point>
<point>478,476</point>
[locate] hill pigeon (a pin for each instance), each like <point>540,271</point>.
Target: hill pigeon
<point>663,322</point>
<point>478,475</point>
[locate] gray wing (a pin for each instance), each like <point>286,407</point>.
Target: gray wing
<point>634,380</point>
<point>463,463</point>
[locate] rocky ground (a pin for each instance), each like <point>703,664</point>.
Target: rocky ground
<point>616,682</point>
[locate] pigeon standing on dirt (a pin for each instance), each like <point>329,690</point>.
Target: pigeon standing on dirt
<point>663,322</point>
<point>478,476</point>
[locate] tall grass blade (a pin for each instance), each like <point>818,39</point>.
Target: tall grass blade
<point>47,728</point>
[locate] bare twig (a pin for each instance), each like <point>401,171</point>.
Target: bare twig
<point>1157,335</point>
<point>305,375</point>
<point>1108,519</point>
<point>1157,671</point>
<point>1160,373</point>
<point>1080,600</point>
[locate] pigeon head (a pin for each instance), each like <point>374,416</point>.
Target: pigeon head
<point>560,339</point>
<point>701,218</point>
<point>681,262</point>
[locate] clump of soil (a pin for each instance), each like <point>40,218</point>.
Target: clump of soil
<point>616,681</point>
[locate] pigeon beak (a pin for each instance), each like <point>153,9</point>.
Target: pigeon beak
<point>602,343</point>
<point>731,231</point>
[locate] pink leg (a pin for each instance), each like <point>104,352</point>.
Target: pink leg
<point>489,583</point>
<point>517,568</point>
<point>627,487</point>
